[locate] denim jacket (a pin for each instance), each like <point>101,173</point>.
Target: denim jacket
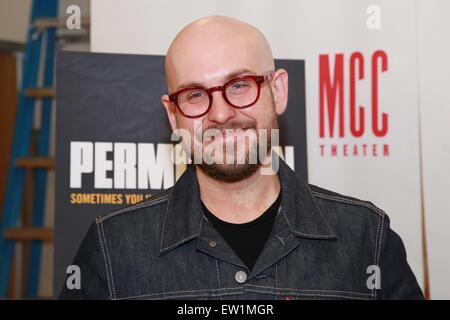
<point>323,245</point>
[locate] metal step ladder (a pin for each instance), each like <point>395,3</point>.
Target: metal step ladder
<point>40,41</point>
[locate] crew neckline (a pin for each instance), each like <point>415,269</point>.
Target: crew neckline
<point>268,214</point>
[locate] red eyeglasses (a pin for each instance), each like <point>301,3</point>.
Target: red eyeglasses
<point>240,92</point>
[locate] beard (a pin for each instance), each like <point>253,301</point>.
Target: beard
<point>239,164</point>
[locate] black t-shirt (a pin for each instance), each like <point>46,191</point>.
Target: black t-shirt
<point>246,239</point>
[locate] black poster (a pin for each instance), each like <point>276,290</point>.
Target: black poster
<point>109,113</point>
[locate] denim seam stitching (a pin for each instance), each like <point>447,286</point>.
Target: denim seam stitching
<point>333,295</point>
<point>312,291</point>
<point>104,259</point>
<point>379,240</point>
<point>349,201</point>
<point>378,247</point>
<point>181,241</point>
<point>320,212</point>
<point>164,222</point>
<point>218,276</point>
<point>276,281</point>
<point>134,207</point>
<point>320,294</point>
<point>109,261</point>
<point>203,292</point>
<point>196,295</point>
<point>375,248</point>
<point>306,234</point>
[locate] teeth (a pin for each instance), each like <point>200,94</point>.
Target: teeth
<point>233,133</point>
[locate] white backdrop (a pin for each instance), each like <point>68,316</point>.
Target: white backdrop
<point>411,34</point>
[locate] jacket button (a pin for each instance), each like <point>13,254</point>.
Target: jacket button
<point>240,276</point>
<point>212,243</point>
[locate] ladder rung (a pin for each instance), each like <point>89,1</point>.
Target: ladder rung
<point>36,163</point>
<point>29,234</point>
<point>43,23</point>
<point>40,93</point>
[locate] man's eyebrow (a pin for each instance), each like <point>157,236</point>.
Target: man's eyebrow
<point>226,78</point>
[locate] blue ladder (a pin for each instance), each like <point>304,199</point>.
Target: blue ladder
<point>20,160</point>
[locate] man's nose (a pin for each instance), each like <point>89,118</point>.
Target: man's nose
<point>220,111</point>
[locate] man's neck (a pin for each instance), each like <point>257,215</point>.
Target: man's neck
<point>242,201</point>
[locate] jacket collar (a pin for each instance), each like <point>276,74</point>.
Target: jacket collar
<point>184,216</point>
<point>302,213</point>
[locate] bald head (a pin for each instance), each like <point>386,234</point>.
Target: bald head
<point>208,49</point>
<point>211,52</point>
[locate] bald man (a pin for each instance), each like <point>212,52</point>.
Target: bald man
<point>238,224</point>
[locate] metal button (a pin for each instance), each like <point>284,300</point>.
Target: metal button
<point>212,243</point>
<point>240,276</point>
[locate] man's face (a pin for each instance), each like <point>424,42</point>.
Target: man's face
<point>210,59</point>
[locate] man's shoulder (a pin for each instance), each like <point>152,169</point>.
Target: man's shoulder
<point>352,220</point>
<point>348,204</point>
<point>153,204</point>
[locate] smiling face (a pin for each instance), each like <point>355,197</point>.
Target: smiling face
<point>208,53</point>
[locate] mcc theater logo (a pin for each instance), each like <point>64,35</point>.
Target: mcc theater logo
<point>348,128</point>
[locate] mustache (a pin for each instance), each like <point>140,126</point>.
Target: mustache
<point>244,125</point>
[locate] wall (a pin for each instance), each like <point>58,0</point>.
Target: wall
<point>434,82</point>
<point>14,17</point>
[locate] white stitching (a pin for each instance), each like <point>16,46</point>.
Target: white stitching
<point>372,207</point>
<point>375,247</point>
<point>134,207</point>
<point>109,261</point>
<point>104,259</point>
<point>276,281</point>
<point>203,292</point>
<point>183,240</point>
<point>312,291</point>
<point>319,294</point>
<point>379,241</point>
<point>218,275</point>
<point>306,234</point>
<point>329,295</point>
<point>378,246</point>
<point>350,201</point>
<point>327,291</point>
<point>320,212</point>
<point>238,290</point>
<point>164,222</point>
<point>336,296</point>
<point>285,217</point>
<point>194,295</point>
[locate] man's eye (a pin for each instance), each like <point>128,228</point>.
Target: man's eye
<point>195,95</point>
<point>240,85</point>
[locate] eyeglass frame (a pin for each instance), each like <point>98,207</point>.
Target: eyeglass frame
<point>259,79</point>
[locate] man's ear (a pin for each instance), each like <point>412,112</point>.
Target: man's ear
<point>280,90</point>
<point>170,110</point>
